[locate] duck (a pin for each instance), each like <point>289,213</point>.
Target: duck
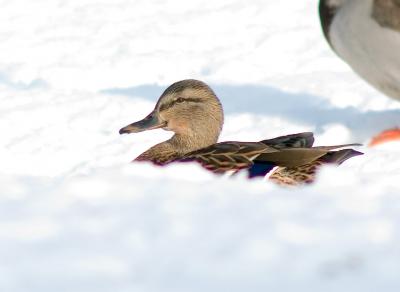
<point>366,35</point>
<point>192,111</point>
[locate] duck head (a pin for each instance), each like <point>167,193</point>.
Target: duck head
<point>190,109</point>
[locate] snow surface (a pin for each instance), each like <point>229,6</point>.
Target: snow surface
<point>76,216</point>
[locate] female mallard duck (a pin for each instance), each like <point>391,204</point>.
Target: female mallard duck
<point>366,35</point>
<point>193,112</point>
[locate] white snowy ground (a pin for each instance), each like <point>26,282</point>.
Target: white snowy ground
<point>76,216</point>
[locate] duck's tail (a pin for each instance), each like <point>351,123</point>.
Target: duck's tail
<point>307,173</point>
<point>340,156</point>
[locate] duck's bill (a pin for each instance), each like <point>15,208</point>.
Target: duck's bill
<point>152,121</point>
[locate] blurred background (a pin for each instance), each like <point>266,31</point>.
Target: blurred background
<point>75,215</point>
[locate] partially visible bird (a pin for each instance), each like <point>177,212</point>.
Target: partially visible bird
<point>366,35</point>
<point>193,112</point>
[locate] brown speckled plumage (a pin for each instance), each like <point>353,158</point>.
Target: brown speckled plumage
<point>193,112</point>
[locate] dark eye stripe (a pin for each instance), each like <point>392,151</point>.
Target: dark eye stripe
<point>171,104</point>
<point>193,99</point>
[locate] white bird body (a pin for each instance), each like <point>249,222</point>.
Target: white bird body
<point>369,46</point>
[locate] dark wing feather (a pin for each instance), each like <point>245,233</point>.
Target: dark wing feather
<point>294,157</point>
<point>258,157</point>
<point>300,140</point>
<point>340,156</point>
<point>225,156</point>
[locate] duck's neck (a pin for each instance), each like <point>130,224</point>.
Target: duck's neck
<point>184,144</point>
<point>176,147</point>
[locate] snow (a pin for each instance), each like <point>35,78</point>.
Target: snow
<point>75,215</point>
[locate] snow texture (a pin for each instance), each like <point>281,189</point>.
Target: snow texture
<point>75,215</point>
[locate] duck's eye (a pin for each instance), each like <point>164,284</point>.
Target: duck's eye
<point>180,100</point>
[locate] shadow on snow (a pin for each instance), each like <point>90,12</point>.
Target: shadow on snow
<point>297,107</point>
